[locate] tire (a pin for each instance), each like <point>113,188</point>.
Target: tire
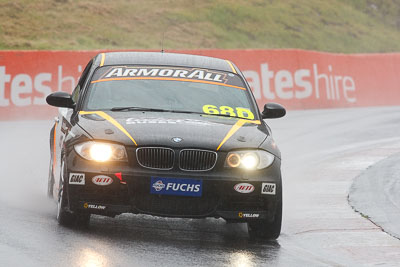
<point>64,216</point>
<point>265,229</point>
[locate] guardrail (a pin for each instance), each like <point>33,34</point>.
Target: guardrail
<point>297,79</point>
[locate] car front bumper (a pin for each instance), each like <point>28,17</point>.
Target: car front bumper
<point>130,192</point>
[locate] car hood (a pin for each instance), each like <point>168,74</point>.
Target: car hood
<point>161,128</point>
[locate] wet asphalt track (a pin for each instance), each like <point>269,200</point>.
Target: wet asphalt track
<point>379,199</point>
<point>323,151</point>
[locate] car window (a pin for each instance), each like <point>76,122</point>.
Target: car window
<point>82,79</point>
<point>178,89</point>
<point>75,93</point>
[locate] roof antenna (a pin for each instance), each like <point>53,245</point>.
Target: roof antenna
<point>162,43</point>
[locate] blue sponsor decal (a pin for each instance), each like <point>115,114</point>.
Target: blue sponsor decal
<point>176,187</point>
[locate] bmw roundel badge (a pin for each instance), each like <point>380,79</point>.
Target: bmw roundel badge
<point>177,139</point>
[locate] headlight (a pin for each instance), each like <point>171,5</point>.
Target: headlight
<point>99,151</point>
<point>249,159</point>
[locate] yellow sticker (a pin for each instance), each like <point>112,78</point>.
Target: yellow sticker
<point>244,113</point>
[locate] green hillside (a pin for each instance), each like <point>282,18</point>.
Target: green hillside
<point>326,25</point>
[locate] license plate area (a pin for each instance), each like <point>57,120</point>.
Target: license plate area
<point>176,186</point>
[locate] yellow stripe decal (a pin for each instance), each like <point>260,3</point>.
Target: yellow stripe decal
<point>103,57</point>
<point>111,120</point>
<point>230,64</point>
<point>235,128</point>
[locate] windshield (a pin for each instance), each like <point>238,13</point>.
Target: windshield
<point>169,89</point>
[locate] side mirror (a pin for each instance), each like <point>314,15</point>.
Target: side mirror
<point>273,111</point>
<point>60,99</point>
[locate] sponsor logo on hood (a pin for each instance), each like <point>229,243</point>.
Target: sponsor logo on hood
<point>244,188</point>
<point>168,121</point>
<point>102,180</point>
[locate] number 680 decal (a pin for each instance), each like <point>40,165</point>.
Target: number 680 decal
<point>244,113</point>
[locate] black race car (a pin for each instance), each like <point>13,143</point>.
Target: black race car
<point>168,135</point>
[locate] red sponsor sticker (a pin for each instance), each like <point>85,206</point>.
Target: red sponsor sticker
<point>102,180</point>
<point>244,188</point>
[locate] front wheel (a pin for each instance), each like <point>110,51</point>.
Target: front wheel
<point>265,229</point>
<point>64,216</point>
<point>68,218</point>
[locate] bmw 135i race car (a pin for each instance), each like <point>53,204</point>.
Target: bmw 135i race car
<point>167,135</point>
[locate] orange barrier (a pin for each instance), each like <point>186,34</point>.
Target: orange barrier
<point>297,79</point>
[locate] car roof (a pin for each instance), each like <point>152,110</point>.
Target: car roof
<point>163,59</point>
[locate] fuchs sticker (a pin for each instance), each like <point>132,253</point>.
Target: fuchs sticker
<point>77,178</point>
<point>102,180</point>
<point>158,186</point>
<point>244,188</point>
<point>176,186</point>
<point>268,189</point>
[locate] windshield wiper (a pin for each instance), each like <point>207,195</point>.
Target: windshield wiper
<point>153,110</point>
<point>169,110</point>
<point>221,115</point>
<point>138,109</point>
